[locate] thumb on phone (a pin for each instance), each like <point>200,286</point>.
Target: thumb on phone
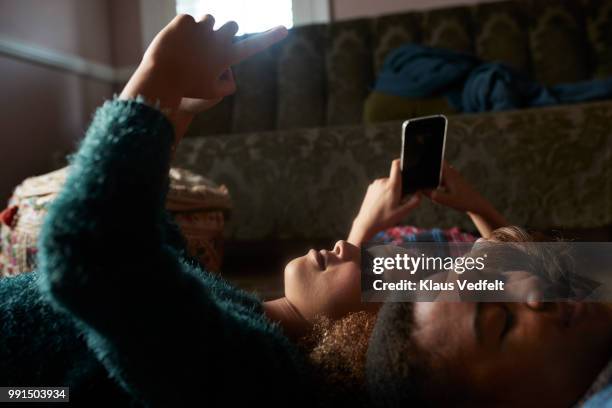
<point>441,197</point>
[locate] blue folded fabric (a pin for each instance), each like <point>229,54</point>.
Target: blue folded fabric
<point>471,85</point>
<point>602,399</point>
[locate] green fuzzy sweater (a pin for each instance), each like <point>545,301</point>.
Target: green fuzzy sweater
<point>117,311</point>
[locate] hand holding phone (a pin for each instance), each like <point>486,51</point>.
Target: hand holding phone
<point>423,142</point>
<point>382,207</point>
<point>460,195</point>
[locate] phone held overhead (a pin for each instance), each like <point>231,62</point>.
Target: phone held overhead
<point>423,141</point>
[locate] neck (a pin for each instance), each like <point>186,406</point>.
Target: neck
<point>291,321</point>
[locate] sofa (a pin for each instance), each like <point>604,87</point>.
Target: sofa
<point>293,148</point>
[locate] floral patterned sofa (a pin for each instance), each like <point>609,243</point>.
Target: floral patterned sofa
<point>296,156</point>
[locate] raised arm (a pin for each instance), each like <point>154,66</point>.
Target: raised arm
<point>382,206</point>
<point>163,331</point>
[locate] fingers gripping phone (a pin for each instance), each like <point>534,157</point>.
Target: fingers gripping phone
<point>423,141</point>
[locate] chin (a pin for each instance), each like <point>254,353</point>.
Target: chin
<point>294,266</point>
<point>295,273</point>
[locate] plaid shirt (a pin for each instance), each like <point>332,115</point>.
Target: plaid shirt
<point>402,234</point>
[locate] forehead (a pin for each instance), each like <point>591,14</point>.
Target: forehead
<point>446,327</point>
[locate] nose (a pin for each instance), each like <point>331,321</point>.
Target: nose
<point>340,249</point>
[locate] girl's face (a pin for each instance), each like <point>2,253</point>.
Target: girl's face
<point>326,283</point>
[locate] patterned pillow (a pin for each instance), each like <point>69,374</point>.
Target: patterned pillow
<point>381,107</point>
<point>197,205</point>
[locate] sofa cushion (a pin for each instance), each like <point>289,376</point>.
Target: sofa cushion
<point>500,34</point>
<point>599,26</point>
<point>450,28</point>
<point>301,78</point>
<point>559,48</point>
<point>254,107</point>
<point>217,120</point>
<point>392,31</point>
<point>349,71</point>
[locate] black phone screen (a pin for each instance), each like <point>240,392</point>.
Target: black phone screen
<point>422,153</point>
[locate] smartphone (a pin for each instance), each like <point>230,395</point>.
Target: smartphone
<point>423,141</point>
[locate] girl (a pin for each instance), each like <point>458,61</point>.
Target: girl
<point>116,310</point>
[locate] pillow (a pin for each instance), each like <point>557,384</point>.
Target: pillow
<point>381,107</point>
<point>197,204</point>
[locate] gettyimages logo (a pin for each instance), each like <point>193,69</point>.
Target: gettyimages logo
<point>413,264</point>
<point>487,271</point>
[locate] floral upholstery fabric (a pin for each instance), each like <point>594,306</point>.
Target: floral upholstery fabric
<point>256,79</point>
<point>448,28</point>
<point>500,34</point>
<point>292,147</point>
<point>558,42</point>
<point>348,70</point>
<point>393,31</point>
<point>217,120</point>
<point>549,167</point>
<point>321,74</point>
<point>599,28</point>
<point>301,79</point>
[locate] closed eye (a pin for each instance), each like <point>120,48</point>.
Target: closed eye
<point>509,322</point>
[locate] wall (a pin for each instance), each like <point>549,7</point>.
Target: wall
<point>44,110</point>
<point>347,9</point>
<point>126,33</point>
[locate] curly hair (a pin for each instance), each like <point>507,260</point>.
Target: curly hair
<point>399,372</point>
<point>337,350</point>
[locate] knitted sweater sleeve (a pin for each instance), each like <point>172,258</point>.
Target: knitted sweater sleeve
<point>165,334</point>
